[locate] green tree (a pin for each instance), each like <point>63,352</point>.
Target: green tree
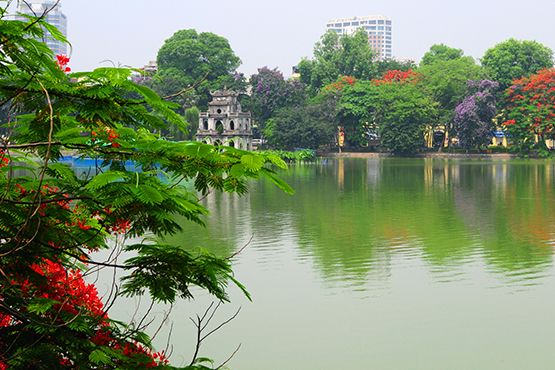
<point>309,126</point>
<point>445,74</point>
<point>403,115</point>
<point>399,111</point>
<point>382,66</point>
<point>338,55</point>
<point>512,59</point>
<point>52,221</point>
<point>440,52</point>
<point>190,64</point>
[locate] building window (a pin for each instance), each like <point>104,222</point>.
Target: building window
<point>219,127</point>
<point>219,111</point>
<point>387,22</point>
<point>381,22</point>
<point>205,125</point>
<point>231,125</point>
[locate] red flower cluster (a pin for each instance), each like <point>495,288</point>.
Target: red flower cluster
<point>398,76</point>
<point>340,84</point>
<point>63,61</point>
<point>76,297</point>
<point>121,226</point>
<point>107,134</point>
<point>532,103</point>
<point>4,160</point>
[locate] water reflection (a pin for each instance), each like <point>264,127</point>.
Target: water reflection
<point>446,262</point>
<point>351,219</point>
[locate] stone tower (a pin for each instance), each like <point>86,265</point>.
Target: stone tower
<point>225,123</point>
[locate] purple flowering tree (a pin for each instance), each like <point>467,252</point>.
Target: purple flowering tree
<point>271,92</point>
<point>472,122</point>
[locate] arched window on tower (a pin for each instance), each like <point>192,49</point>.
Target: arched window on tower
<point>219,127</point>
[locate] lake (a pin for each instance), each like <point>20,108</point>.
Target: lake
<point>384,263</point>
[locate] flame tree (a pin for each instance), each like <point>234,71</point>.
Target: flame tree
<point>530,112</point>
<point>51,220</point>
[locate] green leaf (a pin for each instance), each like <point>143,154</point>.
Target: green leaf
<point>99,357</point>
<point>103,179</point>
<point>278,182</point>
<point>252,162</point>
<point>148,194</point>
<point>276,160</point>
<point>41,305</point>
<point>237,170</point>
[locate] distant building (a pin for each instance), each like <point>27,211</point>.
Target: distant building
<point>378,28</point>
<point>295,73</point>
<point>54,16</point>
<point>145,73</point>
<point>225,123</point>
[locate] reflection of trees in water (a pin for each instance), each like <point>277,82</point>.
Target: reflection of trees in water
<point>507,204</point>
<point>446,210</point>
<point>228,226</point>
<point>351,217</point>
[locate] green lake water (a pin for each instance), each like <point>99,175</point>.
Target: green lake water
<point>385,264</point>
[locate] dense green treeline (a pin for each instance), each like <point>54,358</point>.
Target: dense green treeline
<point>447,100</point>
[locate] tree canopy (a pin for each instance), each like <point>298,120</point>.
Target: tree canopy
<point>271,92</point>
<point>306,126</point>
<point>190,64</point>
<point>529,114</point>
<point>396,109</point>
<point>440,53</point>
<point>513,59</point>
<point>338,55</point>
<point>445,74</point>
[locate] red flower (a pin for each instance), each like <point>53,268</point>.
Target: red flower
<point>63,61</point>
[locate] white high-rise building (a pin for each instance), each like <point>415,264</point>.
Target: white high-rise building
<point>53,15</point>
<point>378,28</point>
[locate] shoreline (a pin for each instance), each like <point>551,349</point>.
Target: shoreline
<point>421,155</point>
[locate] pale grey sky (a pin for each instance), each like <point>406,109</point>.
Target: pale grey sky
<point>280,33</point>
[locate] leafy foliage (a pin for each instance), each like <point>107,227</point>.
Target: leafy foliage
<point>445,74</point>
<point>271,92</point>
<point>529,116</point>
<point>382,66</point>
<point>338,55</point>
<point>513,59</point>
<point>307,127</point>
<point>191,64</point>
<point>440,53</point>
<point>396,111</point>
<point>52,221</point>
